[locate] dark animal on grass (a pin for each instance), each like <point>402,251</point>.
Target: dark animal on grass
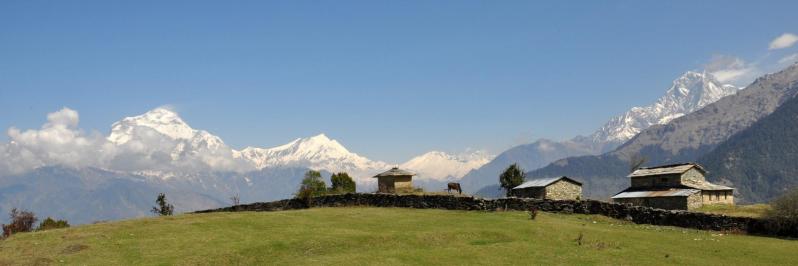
<point>455,186</point>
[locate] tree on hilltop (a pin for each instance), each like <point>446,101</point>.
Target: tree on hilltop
<point>511,177</point>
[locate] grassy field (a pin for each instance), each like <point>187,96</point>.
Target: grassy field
<point>754,210</point>
<point>388,236</point>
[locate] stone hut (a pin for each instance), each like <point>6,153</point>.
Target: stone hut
<point>558,188</point>
<point>674,187</point>
<point>394,180</point>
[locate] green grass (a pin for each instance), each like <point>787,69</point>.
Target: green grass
<point>753,210</point>
<point>345,236</point>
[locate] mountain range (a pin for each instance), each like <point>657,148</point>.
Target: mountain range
<point>715,131</point>
<point>64,172</point>
<point>688,93</point>
<point>60,171</point>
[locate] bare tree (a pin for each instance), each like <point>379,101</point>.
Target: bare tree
<point>235,199</point>
<point>636,161</point>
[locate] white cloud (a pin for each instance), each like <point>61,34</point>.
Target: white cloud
<point>731,69</point>
<point>790,59</point>
<point>60,142</point>
<point>783,41</point>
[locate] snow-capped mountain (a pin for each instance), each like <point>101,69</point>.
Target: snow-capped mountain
<point>161,131</point>
<point>690,92</point>
<point>166,122</point>
<point>317,152</point>
<point>442,166</point>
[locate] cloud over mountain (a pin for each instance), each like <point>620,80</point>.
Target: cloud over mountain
<point>135,143</point>
<point>57,142</point>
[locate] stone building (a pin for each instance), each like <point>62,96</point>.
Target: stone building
<point>395,180</point>
<point>676,186</point>
<point>558,188</point>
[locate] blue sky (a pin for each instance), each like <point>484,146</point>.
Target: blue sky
<point>389,79</point>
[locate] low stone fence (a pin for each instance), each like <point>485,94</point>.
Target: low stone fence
<point>636,214</point>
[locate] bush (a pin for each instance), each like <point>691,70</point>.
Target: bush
<point>163,208</point>
<point>785,207</point>
<point>50,223</point>
<point>21,221</point>
<point>782,218</point>
<point>533,212</point>
<point>510,178</point>
<point>342,183</point>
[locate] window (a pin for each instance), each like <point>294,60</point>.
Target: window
<point>664,180</point>
<point>717,195</point>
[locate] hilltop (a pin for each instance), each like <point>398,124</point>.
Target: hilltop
<point>388,236</point>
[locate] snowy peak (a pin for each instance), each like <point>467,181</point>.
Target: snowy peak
<point>694,90</point>
<point>317,152</point>
<point>443,166</point>
<point>160,119</point>
<point>690,92</point>
<point>167,123</point>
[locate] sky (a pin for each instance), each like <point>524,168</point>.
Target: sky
<point>388,79</point>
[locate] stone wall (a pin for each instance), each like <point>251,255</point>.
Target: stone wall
<point>564,190</point>
<point>636,214</point>
<point>717,197</point>
<point>530,192</point>
<point>667,203</point>
<point>695,201</point>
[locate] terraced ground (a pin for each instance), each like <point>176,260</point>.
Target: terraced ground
<point>388,236</point>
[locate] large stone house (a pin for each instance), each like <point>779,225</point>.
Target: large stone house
<point>558,188</point>
<point>675,187</point>
<point>394,180</point>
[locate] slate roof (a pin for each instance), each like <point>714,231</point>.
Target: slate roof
<point>395,172</point>
<point>666,169</point>
<point>542,182</point>
<point>653,192</point>
<point>704,185</point>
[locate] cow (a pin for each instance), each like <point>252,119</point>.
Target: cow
<point>455,186</point>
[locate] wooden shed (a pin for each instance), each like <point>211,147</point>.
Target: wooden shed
<point>394,180</point>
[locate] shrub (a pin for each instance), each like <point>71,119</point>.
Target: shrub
<point>163,208</point>
<point>782,218</point>
<point>533,212</point>
<point>21,221</point>
<point>50,223</point>
<point>785,207</point>
<point>342,183</point>
<point>511,177</point>
<point>306,195</point>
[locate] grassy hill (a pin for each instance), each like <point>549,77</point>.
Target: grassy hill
<point>388,236</point>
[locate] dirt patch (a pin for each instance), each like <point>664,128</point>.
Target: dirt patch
<point>72,249</point>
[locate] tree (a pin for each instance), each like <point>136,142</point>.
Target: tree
<point>512,177</point>
<point>235,199</point>
<point>313,183</point>
<point>636,161</point>
<point>312,186</point>
<point>51,223</point>
<point>785,207</point>
<point>342,183</point>
<point>163,208</point>
<point>21,221</point>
